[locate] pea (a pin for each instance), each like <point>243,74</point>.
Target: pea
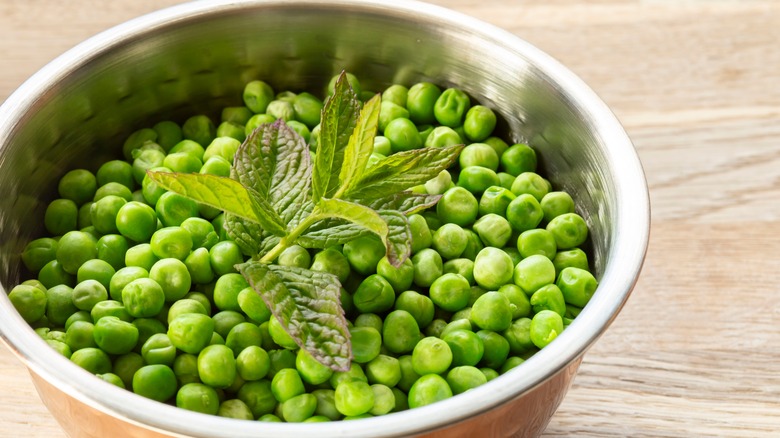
<point>198,397</point>
<point>224,256</point>
<point>397,94</point>
<point>172,275</point>
<point>157,382</point>
<point>235,408</point>
<point>38,253</point>
<point>384,400</point>
<point>138,139</point>
<point>431,356</point>
<point>518,336</point>
<point>421,234</point>
<point>326,404</point>
<point>421,307</point>
<point>243,335</point>
<point>492,311</point>
<point>280,335</point>
<point>496,349</point>
<point>384,369</point>
<point>450,241</point>
<point>577,286</point>
<point>354,397</point>
<point>295,255</point>
<point>451,107</point>
<point>96,269</point>
<point>517,298</point>
<point>421,99</point>
<point>479,123</point>
<point>61,216</point>
<point>75,248</point>
<point>88,293</point>
<point>191,332</point>
<point>534,272</point>
<point>231,130</point>
<point>226,320</point>
<point>173,209</point>
<point>94,360</point>
<point>442,136</point>
<point>355,372</point>
<point>400,332</point>
<point>29,301</point>
<point>116,171</point>
<point>199,128</point>
<point>518,158</point>
<point>569,230</point>
<point>366,343</point>
<point>287,384</point>
<point>143,160</point>
<point>270,418</point>
<point>545,327</point>
<point>80,334</point>
<point>403,135</point>
<point>463,378</point>
<point>168,134</point>
<point>390,111</point>
<point>112,248</point>
<point>52,274</point>
<point>258,397</point>
<point>158,349</point>
<point>115,336</point>
<point>493,229</point>
<point>253,305</point>
<point>450,292</point>
<point>399,278</point>
<point>299,408</point>
<point>109,308</point>
<point>198,264</point>
<point>257,95</point>
<point>428,267</point>
<point>364,253</point>
<point>311,370</point>
<point>492,268</point>
<point>78,185</point>
<point>575,258</point>
<point>59,304</point>
<point>467,348</point>
<point>524,212</point>
<point>428,389</point>
<point>60,347</point>
<point>458,206</point>
<point>216,366</point>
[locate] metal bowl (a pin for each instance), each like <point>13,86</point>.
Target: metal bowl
<point>188,59</point>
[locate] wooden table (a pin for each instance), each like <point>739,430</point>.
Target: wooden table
<point>695,351</point>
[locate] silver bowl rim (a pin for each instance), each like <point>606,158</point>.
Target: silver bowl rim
<point>630,245</point>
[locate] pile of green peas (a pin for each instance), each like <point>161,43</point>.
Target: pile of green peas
<point>137,285</point>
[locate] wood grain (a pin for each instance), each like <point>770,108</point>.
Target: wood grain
<point>694,352</point>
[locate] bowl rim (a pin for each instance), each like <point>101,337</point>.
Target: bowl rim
<point>629,246</point>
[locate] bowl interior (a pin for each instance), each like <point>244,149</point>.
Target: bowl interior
<point>195,58</point>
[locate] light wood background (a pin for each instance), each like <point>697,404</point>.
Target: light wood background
<point>696,350</point>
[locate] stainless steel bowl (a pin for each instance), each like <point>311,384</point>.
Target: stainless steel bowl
<point>191,58</point>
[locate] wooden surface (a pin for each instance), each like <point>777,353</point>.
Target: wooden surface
<point>695,351</point>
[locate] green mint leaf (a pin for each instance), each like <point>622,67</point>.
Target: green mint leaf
<point>406,202</point>
<point>399,237</point>
<point>402,171</point>
<point>339,117</point>
<point>308,305</point>
<point>249,236</point>
<point>350,211</point>
<point>216,191</point>
<point>331,232</point>
<point>274,161</point>
<point>360,146</point>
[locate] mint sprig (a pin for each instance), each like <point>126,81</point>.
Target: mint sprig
<point>276,197</point>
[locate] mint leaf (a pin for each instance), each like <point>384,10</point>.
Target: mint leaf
<point>216,191</point>
<point>406,202</point>
<point>402,171</point>
<point>308,304</point>
<point>359,214</point>
<point>274,161</point>
<point>249,236</point>
<point>339,117</point>
<point>399,237</point>
<point>360,146</point>
<point>331,232</point>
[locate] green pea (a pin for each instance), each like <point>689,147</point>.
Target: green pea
<point>462,266</point>
<point>363,253</point>
<point>112,248</point>
<point>157,382</point>
<point>255,121</point>
<point>60,347</point>
<point>112,379</point>
<point>493,229</point>
<point>450,241</point>
<point>52,274</point>
<point>109,308</point>
<point>518,336</point>
<point>258,397</point>
<point>421,235</point>
<point>224,256</point>
<point>253,305</point>
<point>524,212</point>
<point>113,189</point>
<point>569,230</point>
<point>38,253</point>
<point>431,356</point>
<point>492,268</point>
<point>198,397</point>
<point>403,135</point>
<point>235,408</point>
<point>231,130</point>
<point>418,305</point>
<point>518,158</point>
<point>61,216</point>
<point>531,183</point>
<point>548,297</point>
<point>479,154</point>
<point>168,134</point>
<point>451,107</point>
<point>534,272</point>
<point>390,111</point>
<point>59,304</point>
<point>295,255</point>
<point>479,123</point>
<point>354,397</point>
<point>75,248</point>
<point>80,334</point>
<point>94,360</point>
<point>226,291</point>
<point>577,286</point>
<point>224,147</point>
<point>545,327</point>
<point>216,366</point>
<point>384,369</point>
<point>115,336</point>
<point>555,204</point>
<point>492,311</point>
<point>400,332</point>
<point>442,136</point>
<point>399,278</point>
<point>116,171</point>
<point>450,292</point>
<point>287,384</point>
<point>384,400</point>
<point>428,389</point>
<point>96,269</point>
<point>496,349</point>
<point>158,349</point>
<point>257,95</point>
<point>366,343</point>
<point>311,370</point>
<point>150,190</point>
<point>78,185</point>
<point>199,128</point>
<point>396,93</point>
<point>537,241</point>
<point>125,367</point>
<point>29,301</point>
<point>467,348</point>
<point>226,320</point>
<point>243,335</point>
<point>458,206</point>
<point>326,404</point>
<point>280,335</point>
<point>88,293</point>
<point>172,275</point>
<point>299,408</point>
<point>463,378</point>
<point>575,258</point>
<point>520,304</point>
<point>198,264</point>
<point>421,100</point>
<point>428,267</point>
<point>382,146</point>
<point>270,418</point>
<point>191,332</point>
<point>143,161</point>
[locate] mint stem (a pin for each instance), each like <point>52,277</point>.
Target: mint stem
<point>291,237</point>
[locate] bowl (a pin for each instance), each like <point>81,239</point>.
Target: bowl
<point>188,59</point>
